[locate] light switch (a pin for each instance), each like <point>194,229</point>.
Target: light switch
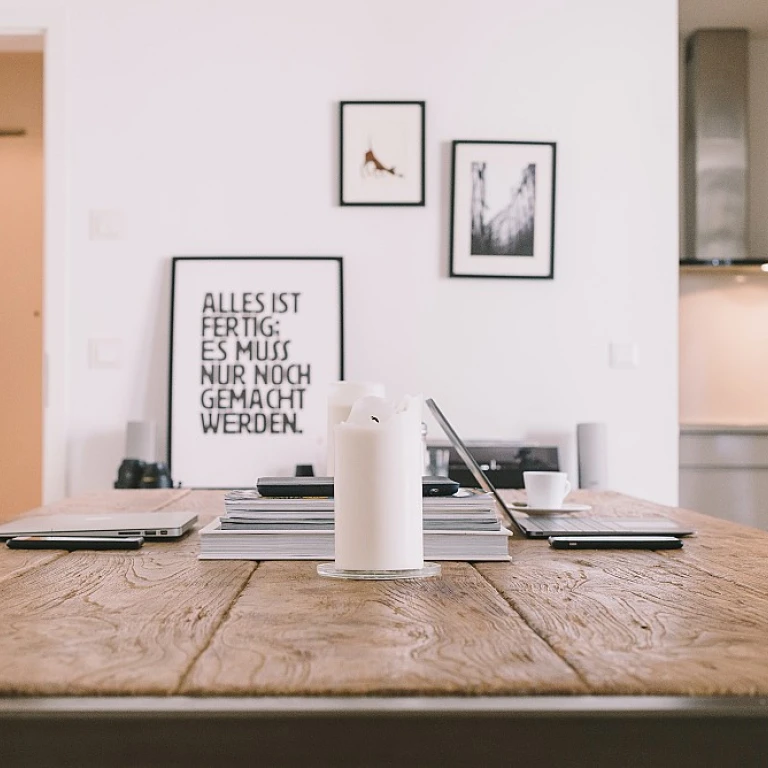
<point>106,225</point>
<point>623,354</point>
<point>105,353</point>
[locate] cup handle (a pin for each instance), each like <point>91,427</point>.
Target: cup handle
<point>567,489</point>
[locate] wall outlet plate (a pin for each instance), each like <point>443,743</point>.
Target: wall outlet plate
<point>105,353</point>
<point>623,354</point>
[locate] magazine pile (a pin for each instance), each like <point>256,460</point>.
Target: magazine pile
<point>464,526</point>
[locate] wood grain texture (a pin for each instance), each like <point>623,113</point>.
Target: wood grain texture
<point>292,632</point>
<point>113,622</point>
<point>14,562</point>
<point>159,621</point>
<point>690,621</point>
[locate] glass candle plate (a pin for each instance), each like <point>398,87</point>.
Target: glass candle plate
<point>331,571</point>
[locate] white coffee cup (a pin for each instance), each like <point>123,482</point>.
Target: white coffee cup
<point>546,490</point>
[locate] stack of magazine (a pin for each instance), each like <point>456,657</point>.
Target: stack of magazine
<point>464,526</point>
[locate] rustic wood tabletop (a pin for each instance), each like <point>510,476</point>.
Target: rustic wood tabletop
<point>588,625</point>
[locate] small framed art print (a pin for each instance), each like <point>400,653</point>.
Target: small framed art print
<point>503,209</point>
<point>382,153</point>
<point>256,343</point>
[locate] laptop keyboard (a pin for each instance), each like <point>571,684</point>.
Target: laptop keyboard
<point>563,524</point>
<point>555,524</point>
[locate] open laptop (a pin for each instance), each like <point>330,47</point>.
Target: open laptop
<point>542,526</point>
<point>150,525</point>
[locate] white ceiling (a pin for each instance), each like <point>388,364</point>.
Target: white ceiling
<point>748,14</point>
<point>20,43</point>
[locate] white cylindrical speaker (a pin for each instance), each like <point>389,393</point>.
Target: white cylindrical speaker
<point>141,441</point>
<point>592,448</point>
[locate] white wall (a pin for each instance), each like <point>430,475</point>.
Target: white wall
<point>724,349</point>
<point>212,128</point>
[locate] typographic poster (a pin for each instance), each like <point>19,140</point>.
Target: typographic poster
<point>255,344</point>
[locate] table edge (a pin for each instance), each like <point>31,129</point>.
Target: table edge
<point>298,706</point>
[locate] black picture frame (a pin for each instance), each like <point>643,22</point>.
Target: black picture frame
<point>255,343</point>
<point>503,209</point>
<point>382,158</point>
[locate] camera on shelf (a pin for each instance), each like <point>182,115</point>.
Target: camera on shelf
<point>130,473</point>
<point>135,473</point>
<point>139,470</point>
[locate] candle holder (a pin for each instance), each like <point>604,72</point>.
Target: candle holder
<point>332,572</point>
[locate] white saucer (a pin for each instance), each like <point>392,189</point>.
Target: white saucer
<point>564,509</point>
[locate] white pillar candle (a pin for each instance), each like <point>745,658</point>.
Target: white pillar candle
<point>377,487</point>
<point>340,401</point>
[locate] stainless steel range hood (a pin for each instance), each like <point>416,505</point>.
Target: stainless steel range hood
<point>716,148</point>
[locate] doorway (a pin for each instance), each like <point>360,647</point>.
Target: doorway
<point>21,261</point>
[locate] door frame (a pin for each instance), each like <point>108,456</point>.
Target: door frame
<point>51,24</point>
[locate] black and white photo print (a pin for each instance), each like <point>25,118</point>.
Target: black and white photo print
<point>502,209</point>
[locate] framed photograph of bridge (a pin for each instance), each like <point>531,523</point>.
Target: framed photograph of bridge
<point>381,153</point>
<point>503,209</point>
<point>255,344</point>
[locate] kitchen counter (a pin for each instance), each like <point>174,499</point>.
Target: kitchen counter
<point>724,429</point>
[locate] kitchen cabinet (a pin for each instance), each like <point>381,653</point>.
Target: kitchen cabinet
<point>724,472</point>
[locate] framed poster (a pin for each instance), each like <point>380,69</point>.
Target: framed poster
<point>382,153</point>
<point>255,344</point>
<point>503,209</point>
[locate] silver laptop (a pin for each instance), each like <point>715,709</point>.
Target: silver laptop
<point>150,525</point>
<point>543,526</point>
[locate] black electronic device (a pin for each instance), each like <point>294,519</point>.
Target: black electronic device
<point>502,462</point>
<point>130,473</point>
<point>71,543</point>
<point>615,542</point>
<point>135,473</point>
<point>156,475</point>
<point>298,487</point>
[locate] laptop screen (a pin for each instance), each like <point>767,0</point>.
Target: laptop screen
<point>468,458</point>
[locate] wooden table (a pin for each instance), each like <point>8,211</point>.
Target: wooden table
<point>154,657</point>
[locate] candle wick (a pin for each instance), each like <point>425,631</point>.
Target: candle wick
<point>375,419</point>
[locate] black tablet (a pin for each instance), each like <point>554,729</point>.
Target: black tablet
<point>298,487</point>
